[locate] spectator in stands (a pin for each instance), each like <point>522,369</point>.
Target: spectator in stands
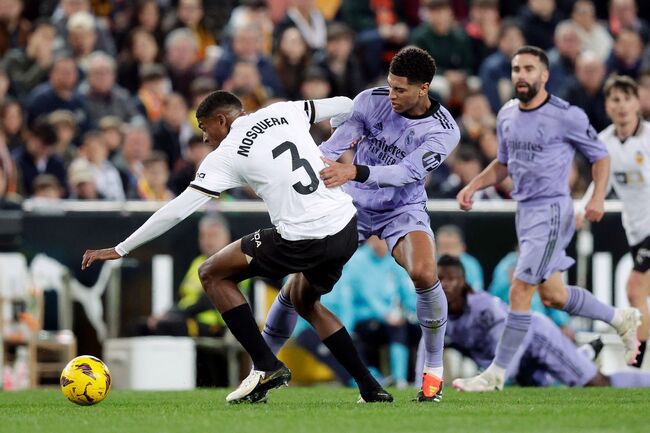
<point>5,82</point>
<point>476,119</point>
<point>146,16</point>
<point>82,37</point>
<point>13,27</point>
<point>140,49</point>
<point>316,86</point>
<point>495,69</point>
<point>47,187</point>
<point>538,20</point>
<point>107,179</point>
<point>500,287</point>
<point>625,58</point>
<point>488,146</point>
<point>190,15</point>
<point>12,123</point>
<point>28,67</point>
<point>197,150</point>
<point>594,35</point>
<point>291,59</point>
<point>67,8</point>
<point>7,202</point>
<point>586,89</point>
<point>9,187</point>
<point>171,132</point>
<point>136,148</point>
<point>380,32</point>
<point>623,14</point>
<point>111,129</point>
<point>81,179</point>
<point>304,16</point>
<point>66,130</point>
<point>181,60</point>
<point>103,96</point>
<point>154,85</point>
<point>194,315</point>
<point>451,241</point>
<point>644,93</point>
<point>482,28</point>
<point>155,176</point>
<point>38,157</point>
<point>254,13</point>
<point>562,57</point>
<point>246,45</point>
<point>247,83</point>
<point>448,45</point>
<point>59,94</point>
<point>344,72</point>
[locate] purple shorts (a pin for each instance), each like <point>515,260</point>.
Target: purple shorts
<point>393,225</point>
<point>544,230</point>
<point>549,352</point>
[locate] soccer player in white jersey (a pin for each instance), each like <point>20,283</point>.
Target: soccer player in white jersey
<point>628,144</point>
<point>314,231</point>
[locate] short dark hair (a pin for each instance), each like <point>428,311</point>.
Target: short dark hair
<point>533,51</point>
<point>623,83</point>
<point>217,100</point>
<point>448,260</point>
<point>415,64</point>
<point>44,131</point>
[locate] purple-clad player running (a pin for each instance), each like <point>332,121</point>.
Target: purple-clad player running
<point>401,135</point>
<point>477,319</point>
<point>538,134</point>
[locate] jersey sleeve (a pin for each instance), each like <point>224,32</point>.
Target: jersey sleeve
<point>502,149</point>
<point>583,136</point>
<point>434,149</point>
<point>348,132</point>
<point>216,174</point>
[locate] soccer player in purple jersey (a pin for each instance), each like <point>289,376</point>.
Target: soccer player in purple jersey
<point>401,135</point>
<point>538,134</point>
<point>476,321</point>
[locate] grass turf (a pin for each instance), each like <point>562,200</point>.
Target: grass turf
<point>329,409</point>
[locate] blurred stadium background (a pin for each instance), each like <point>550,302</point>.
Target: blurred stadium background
<point>97,132</point>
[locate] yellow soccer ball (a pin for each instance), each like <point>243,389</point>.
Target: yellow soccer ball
<point>86,380</point>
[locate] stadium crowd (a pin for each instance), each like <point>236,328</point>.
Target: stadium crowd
<point>97,97</point>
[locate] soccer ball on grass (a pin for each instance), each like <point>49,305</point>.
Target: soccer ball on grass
<point>86,380</point>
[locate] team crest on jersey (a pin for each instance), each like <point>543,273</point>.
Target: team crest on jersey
<point>410,137</point>
<point>431,161</point>
<point>377,128</point>
<point>638,157</point>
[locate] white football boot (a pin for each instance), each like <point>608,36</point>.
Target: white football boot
<point>487,381</point>
<point>630,320</point>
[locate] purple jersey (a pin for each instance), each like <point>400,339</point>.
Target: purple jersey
<point>545,350</point>
<point>400,150</point>
<point>538,146</point>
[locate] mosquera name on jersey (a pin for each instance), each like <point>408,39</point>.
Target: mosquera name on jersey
<point>630,178</point>
<point>272,151</point>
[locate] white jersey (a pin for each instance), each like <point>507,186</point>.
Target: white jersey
<point>630,178</point>
<point>272,151</point>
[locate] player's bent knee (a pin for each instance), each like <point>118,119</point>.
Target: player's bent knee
<point>423,276</point>
<point>636,292</point>
<point>205,275</point>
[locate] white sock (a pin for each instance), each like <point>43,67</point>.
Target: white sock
<point>434,371</point>
<point>496,370</point>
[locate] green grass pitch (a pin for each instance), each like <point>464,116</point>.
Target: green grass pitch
<point>331,409</point>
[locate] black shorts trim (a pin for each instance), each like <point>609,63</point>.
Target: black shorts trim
<point>319,260</point>
<point>641,255</point>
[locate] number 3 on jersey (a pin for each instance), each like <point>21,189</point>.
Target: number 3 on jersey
<point>296,163</point>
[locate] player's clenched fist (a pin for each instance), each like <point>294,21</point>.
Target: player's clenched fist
<point>464,198</point>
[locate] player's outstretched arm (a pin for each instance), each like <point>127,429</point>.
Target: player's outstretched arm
<point>162,220</point>
<point>491,175</point>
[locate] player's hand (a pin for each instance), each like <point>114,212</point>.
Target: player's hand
<point>91,255</point>
<point>336,174</point>
<point>464,198</point>
<point>595,210</point>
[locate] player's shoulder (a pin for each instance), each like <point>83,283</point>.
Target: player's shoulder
<point>559,103</point>
<point>607,133</point>
<point>374,96</point>
<point>508,108</point>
